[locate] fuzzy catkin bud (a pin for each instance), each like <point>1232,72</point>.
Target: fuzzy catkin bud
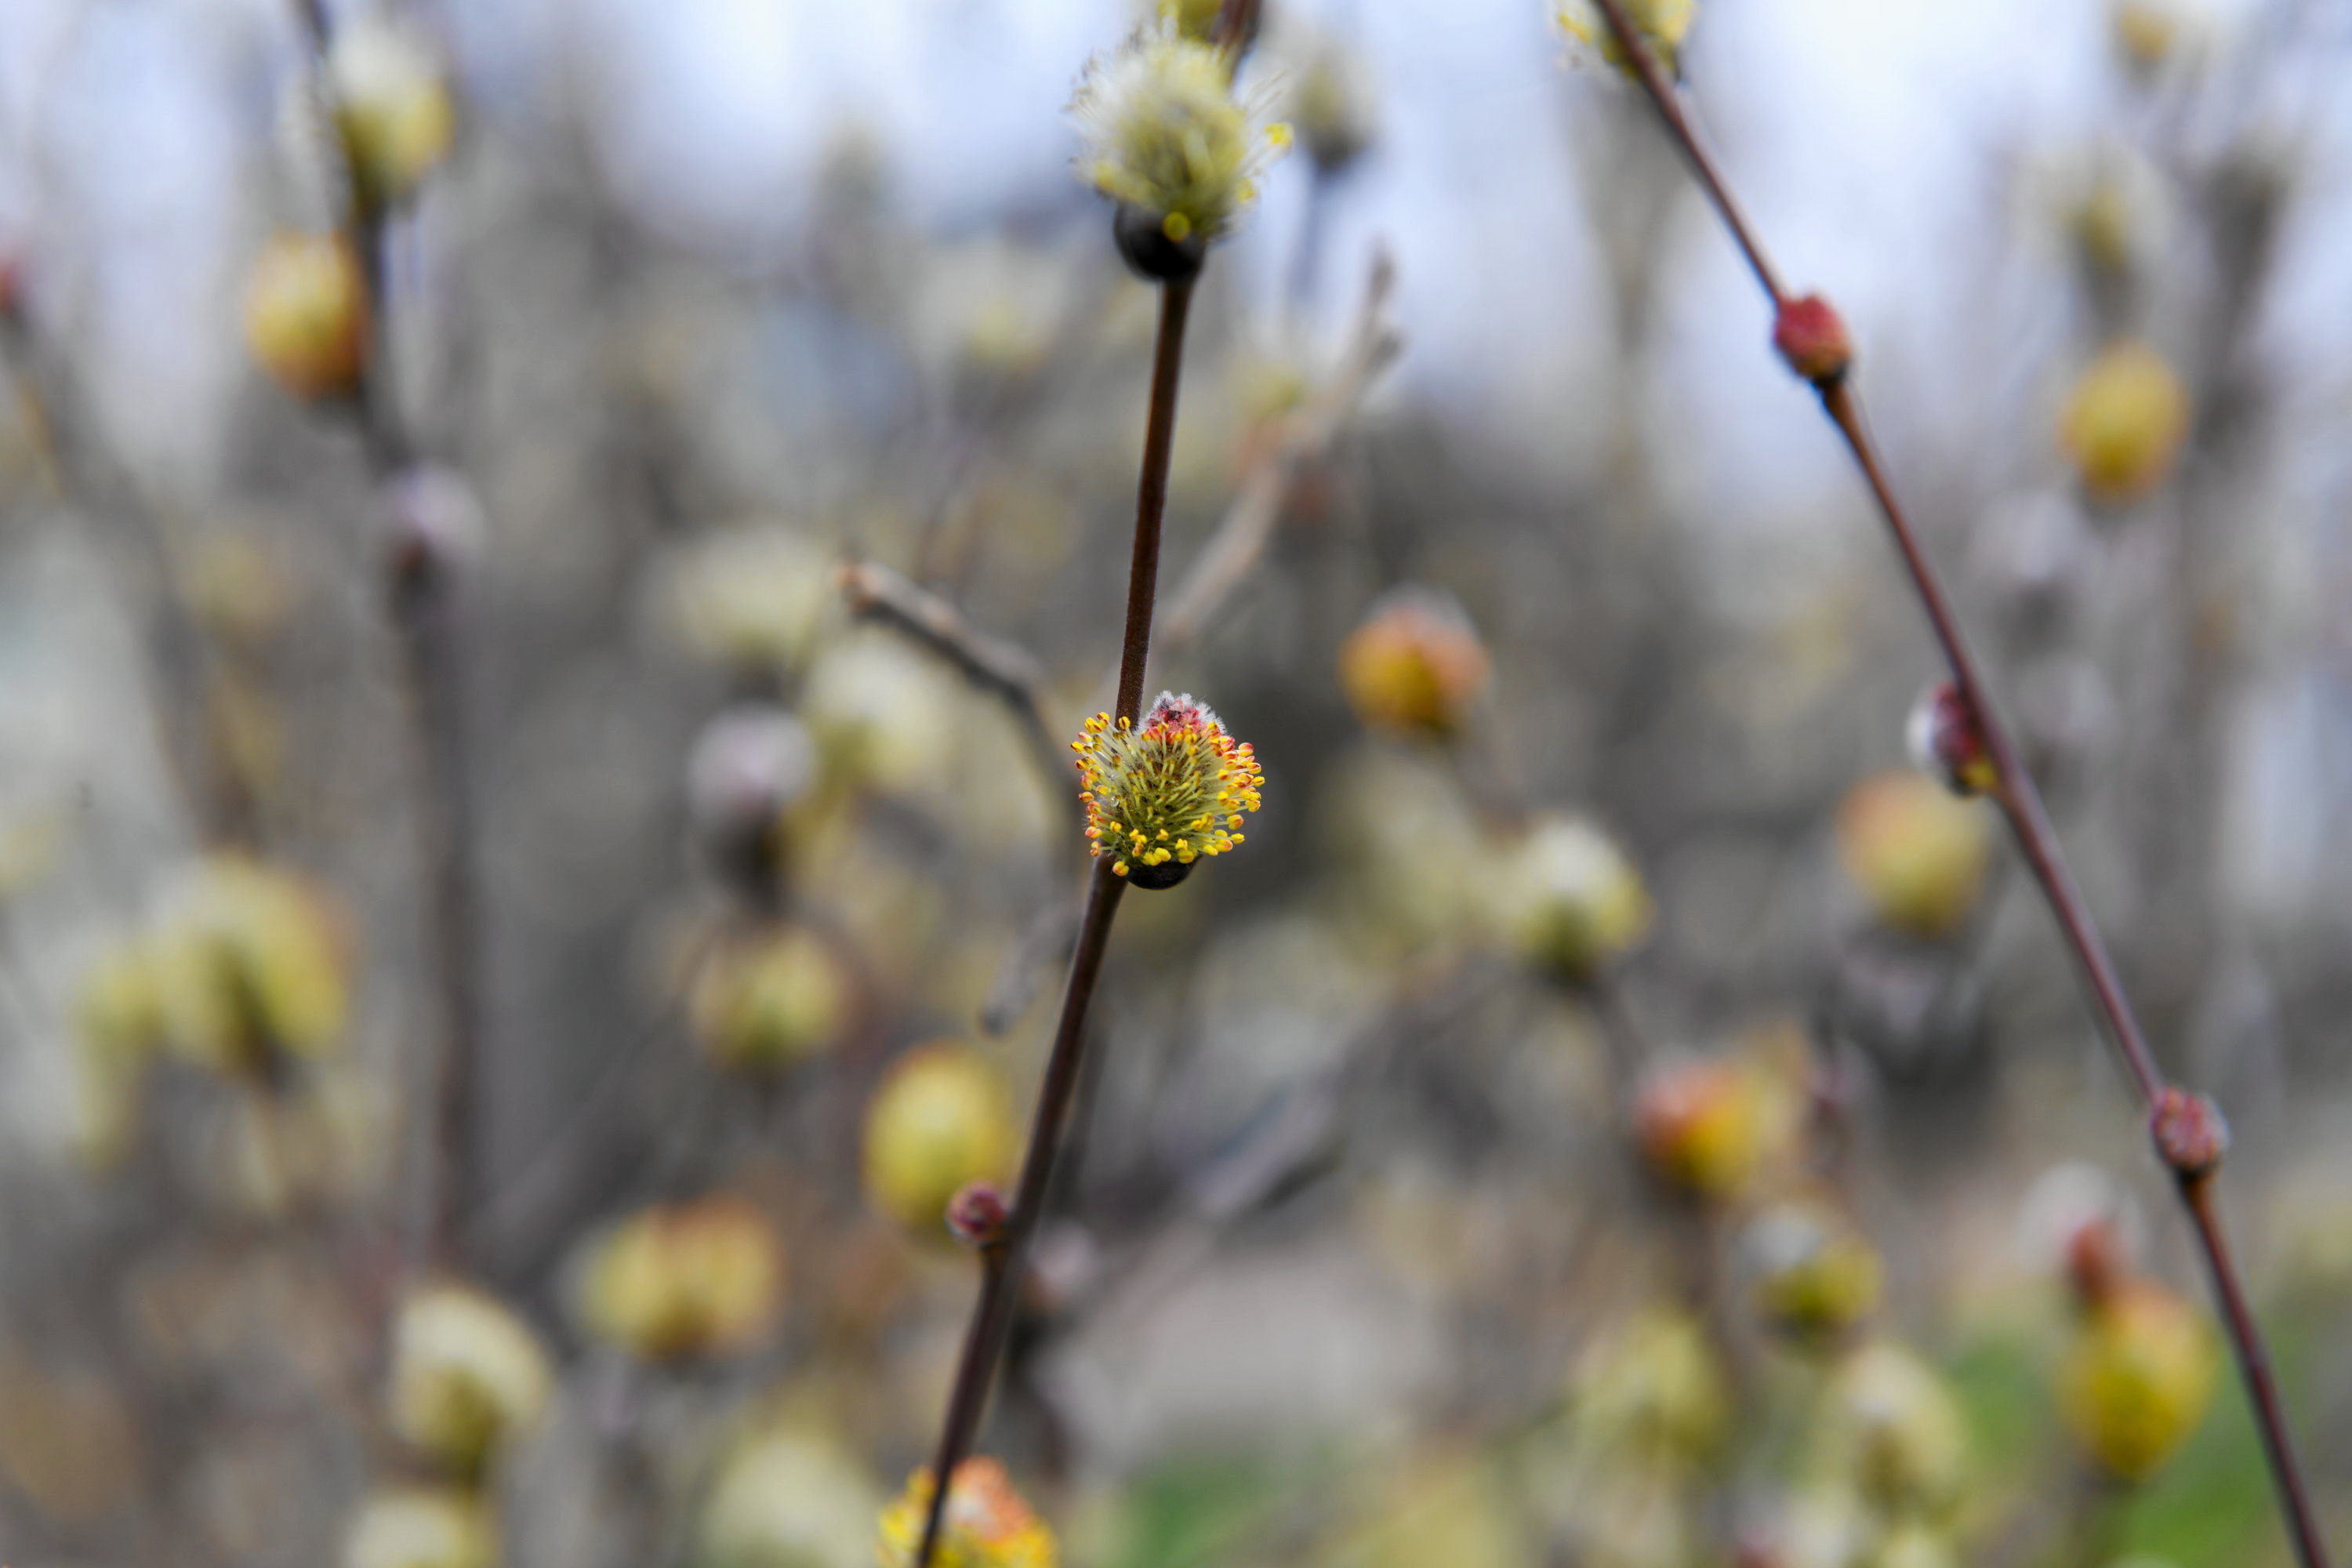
<point>1663,23</point>
<point>986,1523</point>
<point>1167,138</point>
<point>697,1278</point>
<point>2124,423</point>
<point>1415,665</point>
<point>1570,900</point>
<point>942,1117</point>
<point>466,1375</point>
<point>765,1000</point>
<point>1815,1277</point>
<point>1893,1431</point>
<point>392,108</point>
<point>306,315</point>
<point>417,1527</point>
<point>2137,1378</point>
<point>1703,1125</point>
<point>1918,856</point>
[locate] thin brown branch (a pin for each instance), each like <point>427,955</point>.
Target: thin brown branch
<point>1233,551</point>
<point>2021,802</point>
<point>1003,1264</point>
<point>83,468</point>
<point>1003,669</point>
<point>420,584</point>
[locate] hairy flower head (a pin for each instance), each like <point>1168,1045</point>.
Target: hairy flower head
<point>1167,135</point>
<point>467,1374</point>
<point>1160,795</point>
<point>1663,23</point>
<point>987,1524</point>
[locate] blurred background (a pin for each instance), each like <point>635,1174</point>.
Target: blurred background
<point>1614,1109</point>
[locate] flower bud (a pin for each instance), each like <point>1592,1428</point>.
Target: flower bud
<point>700,1279</point>
<point>1945,740</point>
<point>1811,337</point>
<point>417,1527</point>
<point>1815,1278</point>
<point>1162,795</point>
<point>433,524</point>
<point>1891,1430</point>
<point>882,714</point>
<point>1415,664</point>
<point>1332,106</point>
<point>306,315</point>
<point>2137,1378</point>
<point>942,1117</point>
<point>1569,897</point>
<point>1663,23</point>
<point>2145,32</point>
<point>392,105</point>
<point>468,1376</point>
<point>1653,1389</point>
<point>2124,423</point>
<point>790,1499</point>
<point>985,1525</point>
<point>2189,1133</point>
<point>1916,855</point>
<point>250,962</point>
<point>1703,1124</point>
<point>978,1215</point>
<point>1166,137</point>
<point>765,1000</point>
<point>753,598</point>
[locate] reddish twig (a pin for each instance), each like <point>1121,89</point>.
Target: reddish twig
<point>1824,363</point>
<point>1003,1262</point>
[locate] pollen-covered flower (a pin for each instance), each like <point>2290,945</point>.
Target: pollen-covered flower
<point>1167,136</point>
<point>1162,795</point>
<point>987,1524</point>
<point>1663,23</point>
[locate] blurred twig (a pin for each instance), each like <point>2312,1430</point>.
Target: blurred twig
<point>1240,542</point>
<point>2021,803</point>
<point>1001,668</point>
<point>420,584</point>
<point>81,466</point>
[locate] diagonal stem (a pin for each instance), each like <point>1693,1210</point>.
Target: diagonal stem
<point>2021,803</point>
<point>1002,1263</point>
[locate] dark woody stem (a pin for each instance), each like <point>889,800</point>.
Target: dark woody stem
<point>1003,1263</point>
<point>2020,803</point>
